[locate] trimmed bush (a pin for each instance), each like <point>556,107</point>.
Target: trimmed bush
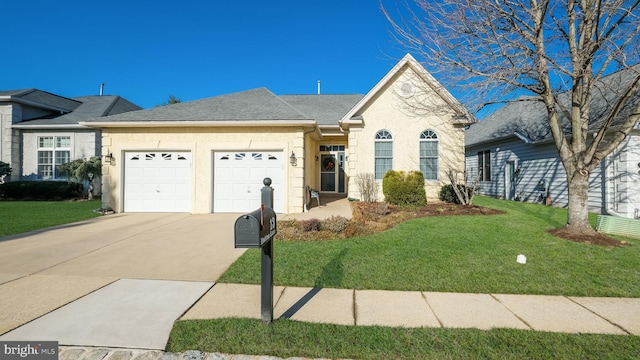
<point>41,190</point>
<point>336,224</point>
<point>448,195</point>
<point>404,189</point>
<point>311,225</point>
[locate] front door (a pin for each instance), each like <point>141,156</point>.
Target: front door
<point>509,181</point>
<point>332,177</point>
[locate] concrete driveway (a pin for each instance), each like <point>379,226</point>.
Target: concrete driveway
<point>118,280</point>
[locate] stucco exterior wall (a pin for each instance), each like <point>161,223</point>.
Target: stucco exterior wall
<point>406,116</point>
<point>202,142</point>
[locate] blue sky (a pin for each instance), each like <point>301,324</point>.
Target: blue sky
<point>192,49</point>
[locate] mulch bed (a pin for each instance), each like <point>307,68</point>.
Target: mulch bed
<point>591,239</point>
<point>378,211</point>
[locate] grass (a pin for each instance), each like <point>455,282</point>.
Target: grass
<point>468,253</point>
<point>285,338</point>
<point>463,254</point>
<point>475,254</point>
<point>23,216</point>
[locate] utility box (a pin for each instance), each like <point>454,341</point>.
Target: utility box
<point>255,229</point>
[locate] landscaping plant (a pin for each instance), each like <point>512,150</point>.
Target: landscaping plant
<point>404,188</point>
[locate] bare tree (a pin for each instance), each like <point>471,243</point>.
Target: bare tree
<point>497,49</point>
<point>464,193</point>
<point>368,187</point>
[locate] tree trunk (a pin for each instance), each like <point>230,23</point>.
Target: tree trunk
<point>578,214</point>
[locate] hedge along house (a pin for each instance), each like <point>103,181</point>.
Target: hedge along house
<point>40,131</point>
<point>211,155</point>
<point>514,153</point>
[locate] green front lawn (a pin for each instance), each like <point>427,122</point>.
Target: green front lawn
<point>285,338</point>
<point>22,216</point>
<point>475,254</point>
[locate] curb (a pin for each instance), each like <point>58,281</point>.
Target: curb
<point>101,353</point>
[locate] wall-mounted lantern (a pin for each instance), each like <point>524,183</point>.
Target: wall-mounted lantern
<point>292,159</point>
<point>109,159</point>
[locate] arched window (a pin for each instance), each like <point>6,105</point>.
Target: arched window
<point>429,155</point>
<point>383,153</point>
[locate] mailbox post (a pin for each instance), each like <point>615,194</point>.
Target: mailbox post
<point>266,281</point>
<point>256,230</point>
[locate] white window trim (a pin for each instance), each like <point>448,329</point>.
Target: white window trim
<point>53,150</point>
<point>437,141</point>
<point>388,139</point>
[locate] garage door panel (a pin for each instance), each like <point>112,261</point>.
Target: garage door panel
<point>241,171</point>
<point>157,182</point>
<point>238,180</point>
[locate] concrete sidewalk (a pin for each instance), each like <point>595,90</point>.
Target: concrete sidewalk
<point>618,316</point>
<point>329,206</point>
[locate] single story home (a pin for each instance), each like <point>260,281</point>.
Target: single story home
<point>39,130</point>
<point>513,152</point>
<point>212,155</point>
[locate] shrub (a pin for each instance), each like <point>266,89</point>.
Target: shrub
<point>447,194</point>
<point>381,208</point>
<point>368,187</point>
<point>404,189</point>
<point>5,170</point>
<point>41,190</point>
<point>311,225</point>
<point>336,224</point>
<point>355,229</point>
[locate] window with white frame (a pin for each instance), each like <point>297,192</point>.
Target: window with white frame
<point>53,151</point>
<point>383,153</point>
<point>429,155</point>
<point>484,165</point>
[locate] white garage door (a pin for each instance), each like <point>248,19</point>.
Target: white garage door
<point>157,181</point>
<point>237,180</point>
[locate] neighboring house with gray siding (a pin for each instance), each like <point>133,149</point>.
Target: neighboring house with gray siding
<point>515,155</point>
<point>39,130</point>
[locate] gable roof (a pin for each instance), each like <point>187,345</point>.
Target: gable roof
<point>463,115</point>
<point>90,107</point>
<point>60,111</point>
<point>246,106</point>
<point>40,99</point>
<point>526,117</point>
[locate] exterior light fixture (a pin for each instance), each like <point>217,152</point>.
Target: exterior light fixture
<point>292,159</point>
<point>109,159</point>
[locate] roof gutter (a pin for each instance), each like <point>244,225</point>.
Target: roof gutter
<point>48,127</point>
<point>523,138</point>
<point>196,123</point>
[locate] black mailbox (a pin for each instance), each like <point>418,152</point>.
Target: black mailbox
<point>256,228</point>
